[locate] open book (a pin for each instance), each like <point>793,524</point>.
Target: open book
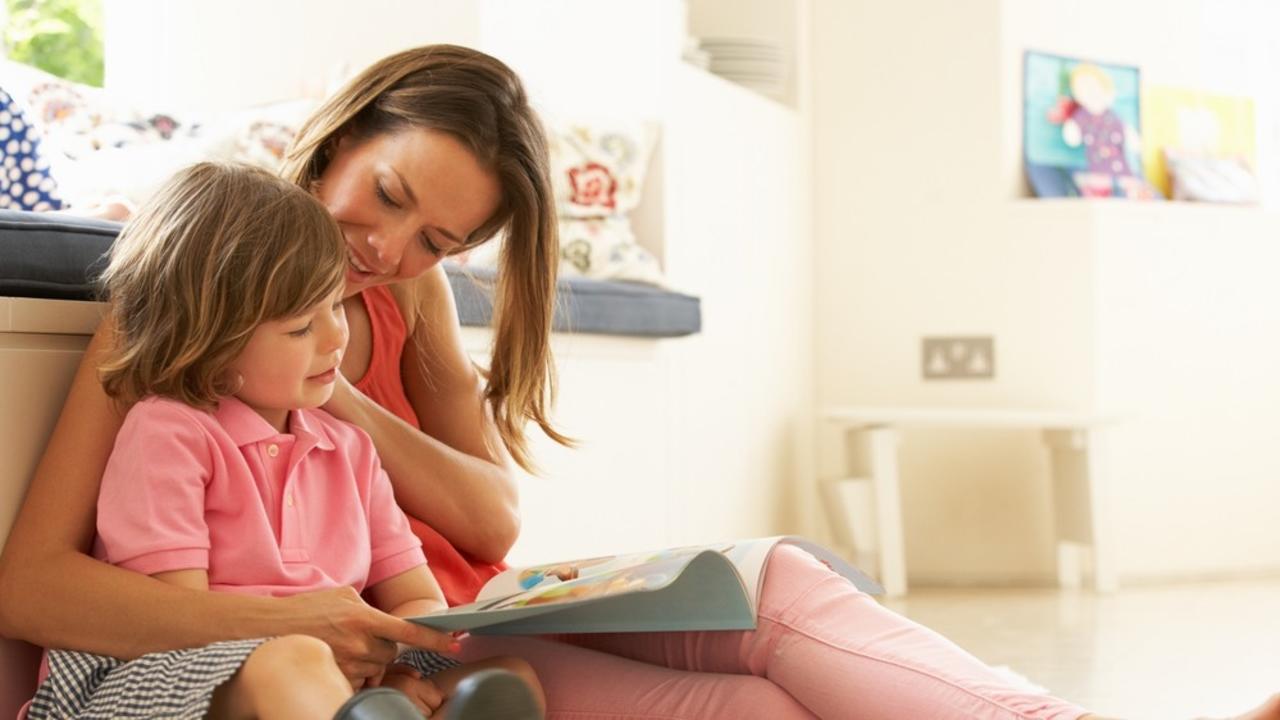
<point>704,587</point>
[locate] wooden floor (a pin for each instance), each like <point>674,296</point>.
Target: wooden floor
<point>1176,651</point>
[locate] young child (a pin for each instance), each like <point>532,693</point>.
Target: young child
<point>226,295</point>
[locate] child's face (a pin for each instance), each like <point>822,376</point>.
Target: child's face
<point>293,362</point>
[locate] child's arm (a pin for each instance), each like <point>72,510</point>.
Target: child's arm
<point>400,583</point>
<point>412,593</point>
<point>190,579</point>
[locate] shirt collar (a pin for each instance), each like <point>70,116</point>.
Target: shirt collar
<point>246,426</point>
<point>309,429</point>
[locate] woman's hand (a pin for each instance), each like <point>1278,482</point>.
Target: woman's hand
<point>363,638</point>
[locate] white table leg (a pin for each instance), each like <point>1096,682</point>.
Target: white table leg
<point>882,446</point>
<point>1104,570</point>
<point>826,504</point>
<point>1081,514</point>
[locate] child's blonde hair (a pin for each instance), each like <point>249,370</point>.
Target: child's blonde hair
<point>219,250</point>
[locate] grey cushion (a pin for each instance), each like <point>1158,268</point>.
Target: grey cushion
<point>57,256</point>
<point>52,255</point>
<point>589,306</point>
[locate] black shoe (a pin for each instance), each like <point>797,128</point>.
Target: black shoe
<point>379,704</point>
<point>493,695</point>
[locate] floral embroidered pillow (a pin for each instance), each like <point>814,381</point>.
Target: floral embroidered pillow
<point>597,248</point>
<point>75,119</point>
<point>56,105</point>
<point>606,249</point>
<point>599,170</point>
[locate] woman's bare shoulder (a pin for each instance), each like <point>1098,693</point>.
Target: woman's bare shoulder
<point>435,336</point>
<point>429,297</point>
<point>428,306</point>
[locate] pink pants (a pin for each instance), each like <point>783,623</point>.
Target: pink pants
<point>822,648</point>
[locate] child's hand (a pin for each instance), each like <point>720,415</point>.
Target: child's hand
<point>423,692</point>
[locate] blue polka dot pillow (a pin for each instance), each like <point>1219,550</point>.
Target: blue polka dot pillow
<point>24,174</point>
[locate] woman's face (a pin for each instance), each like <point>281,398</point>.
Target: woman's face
<point>404,200</point>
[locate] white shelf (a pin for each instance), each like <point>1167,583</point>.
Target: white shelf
<point>779,100</point>
<point>1121,207</point>
<point>940,417</point>
<point>772,21</point>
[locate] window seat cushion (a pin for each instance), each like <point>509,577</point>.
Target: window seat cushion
<point>52,255</point>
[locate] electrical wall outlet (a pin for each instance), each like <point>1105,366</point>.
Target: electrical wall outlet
<point>958,358</point>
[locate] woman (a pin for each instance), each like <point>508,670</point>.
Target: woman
<point>427,153</point>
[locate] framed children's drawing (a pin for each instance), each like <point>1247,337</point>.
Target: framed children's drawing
<point>1080,128</point>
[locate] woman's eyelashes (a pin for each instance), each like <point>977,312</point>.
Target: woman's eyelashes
<point>301,332</point>
<point>385,198</point>
<point>430,246</point>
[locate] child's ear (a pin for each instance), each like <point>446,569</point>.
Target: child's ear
<point>231,381</point>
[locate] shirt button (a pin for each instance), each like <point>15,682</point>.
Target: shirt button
<point>289,500</point>
<point>273,450</point>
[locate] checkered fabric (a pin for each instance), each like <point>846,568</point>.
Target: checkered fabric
<point>427,663</point>
<point>177,684</point>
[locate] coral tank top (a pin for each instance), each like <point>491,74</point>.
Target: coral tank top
<point>460,575</point>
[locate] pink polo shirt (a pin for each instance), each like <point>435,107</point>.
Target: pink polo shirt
<point>265,513</point>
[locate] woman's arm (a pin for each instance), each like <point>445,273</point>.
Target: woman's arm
<point>52,593</point>
<point>454,474</point>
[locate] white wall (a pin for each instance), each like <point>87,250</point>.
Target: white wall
<point>1181,338</point>
<point>739,237</point>
<point>236,53</point>
<point>588,58</point>
<point>919,232</point>
<point>905,132</point>
<point>727,195</point>
<point>575,56</point>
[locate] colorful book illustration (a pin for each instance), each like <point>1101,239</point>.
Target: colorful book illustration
<point>702,587</point>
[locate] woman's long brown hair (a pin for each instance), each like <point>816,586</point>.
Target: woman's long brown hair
<point>481,102</point>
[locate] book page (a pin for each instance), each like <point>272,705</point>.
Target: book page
<point>614,574</point>
<point>608,574</point>
<point>699,587</point>
<point>749,557</point>
<point>702,591</point>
